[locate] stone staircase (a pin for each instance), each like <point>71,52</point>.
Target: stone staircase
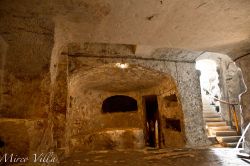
<point>217,129</point>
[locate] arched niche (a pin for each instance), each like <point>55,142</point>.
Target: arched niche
<point>119,103</point>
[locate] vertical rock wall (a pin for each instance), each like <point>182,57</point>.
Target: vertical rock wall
<point>25,89</point>
<point>245,68</point>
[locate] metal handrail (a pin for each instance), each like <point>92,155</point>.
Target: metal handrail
<point>243,135</point>
<point>222,101</point>
<point>225,102</point>
<point>230,104</point>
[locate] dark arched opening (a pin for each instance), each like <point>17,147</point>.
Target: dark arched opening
<point>119,103</point>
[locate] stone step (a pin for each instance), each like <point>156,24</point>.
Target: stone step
<point>211,115</point>
<point>226,133</point>
<point>207,107</point>
<point>231,144</point>
<point>228,139</point>
<point>215,124</point>
<point>218,119</point>
<point>221,128</point>
<point>213,132</point>
<point>209,112</point>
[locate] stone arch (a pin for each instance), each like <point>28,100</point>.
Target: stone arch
<point>104,79</point>
<point>231,85</point>
<point>187,94</point>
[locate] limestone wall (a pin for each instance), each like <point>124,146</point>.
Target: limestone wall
<point>25,78</point>
<point>89,128</point>
<point>24,137</point>
<point>245,68</point>
<point>84,118</point>
<point>171,116</point>
<point>87,123</point>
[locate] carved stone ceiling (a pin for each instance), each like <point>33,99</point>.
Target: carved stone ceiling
<point>32,28</point>
<point>112,78</point>
<point>201,25</point>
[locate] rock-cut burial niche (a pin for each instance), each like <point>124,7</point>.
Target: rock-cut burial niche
<point>2,143</point>
<point>173,127</point>
<point>119,103</point>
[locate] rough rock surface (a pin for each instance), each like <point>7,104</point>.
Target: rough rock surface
<point>84,117</point>
<point>24,137</point>
<point>244,65</point>
<point>35,34</point>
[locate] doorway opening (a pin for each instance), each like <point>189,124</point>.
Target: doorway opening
<point>221,86</point>
<point>209,81</point>
<point>152,121</point>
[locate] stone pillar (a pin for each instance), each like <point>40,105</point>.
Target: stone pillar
<point>59,100</point>
<point>190,96</point>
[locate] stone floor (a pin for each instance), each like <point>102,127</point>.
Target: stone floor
<point>151,157</point>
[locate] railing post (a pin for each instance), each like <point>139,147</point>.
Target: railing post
<point>236,119</point>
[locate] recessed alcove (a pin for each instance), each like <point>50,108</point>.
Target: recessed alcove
<point>109,104</point>
<point>2,143</point>
<point>173,124</point>
<point>119,103</point>
<point>171,100</point>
